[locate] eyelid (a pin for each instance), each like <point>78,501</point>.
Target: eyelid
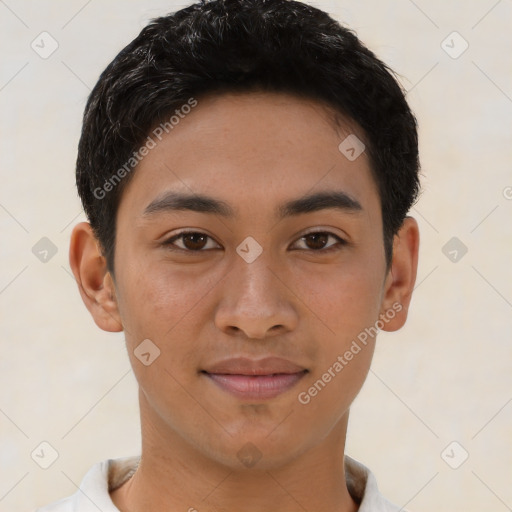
<point>325,230</point>
<point>168,242</point>
<point>341,240</point>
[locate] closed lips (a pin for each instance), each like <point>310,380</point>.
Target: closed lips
<point>255,380</point>
<point>247,366</point>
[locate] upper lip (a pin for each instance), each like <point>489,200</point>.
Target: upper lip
<point>248,366</point>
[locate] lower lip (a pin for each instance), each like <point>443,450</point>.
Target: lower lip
<point>258,387</point>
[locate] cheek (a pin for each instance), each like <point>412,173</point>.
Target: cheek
<point>162,304</point>
<point>343,302</point>
<point>344,306</point>
<point>159,300</point>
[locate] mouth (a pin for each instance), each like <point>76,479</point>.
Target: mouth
<point>255,380</point>
<point>256,387</point>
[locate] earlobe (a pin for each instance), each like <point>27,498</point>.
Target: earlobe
<point>95,283</point>
<point>401,278</point>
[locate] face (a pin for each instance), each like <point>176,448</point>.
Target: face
<point>253,294</point>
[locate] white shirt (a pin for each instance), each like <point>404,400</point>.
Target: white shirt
<point>105,476</point>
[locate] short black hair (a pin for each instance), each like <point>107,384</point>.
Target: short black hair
<point>217,46</point>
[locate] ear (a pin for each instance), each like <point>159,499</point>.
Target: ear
<point>399,283</point>
<point>94,281</point>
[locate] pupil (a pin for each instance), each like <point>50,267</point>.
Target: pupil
<point>194,244</point>
<point>316,237</point>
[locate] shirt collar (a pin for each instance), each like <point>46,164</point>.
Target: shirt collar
<point>110,474</point>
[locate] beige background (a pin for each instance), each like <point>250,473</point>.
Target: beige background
<point>444,377</point>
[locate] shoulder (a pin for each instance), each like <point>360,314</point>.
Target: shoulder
<point>362,485</point>
<point>94,491</point>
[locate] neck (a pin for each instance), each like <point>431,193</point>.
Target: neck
<point>174,475</point>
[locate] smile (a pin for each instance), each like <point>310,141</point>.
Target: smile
<point>256,387</point>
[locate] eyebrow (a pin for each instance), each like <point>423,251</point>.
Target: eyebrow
<point>179,201</point>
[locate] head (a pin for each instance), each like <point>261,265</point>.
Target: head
<point>233,45</point>
<point>248,108</point>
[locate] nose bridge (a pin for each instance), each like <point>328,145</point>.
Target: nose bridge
<point>254,299</point>
<point>255,282</point>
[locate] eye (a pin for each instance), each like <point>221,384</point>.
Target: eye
<point>193,241</point>
<point>317,241</point>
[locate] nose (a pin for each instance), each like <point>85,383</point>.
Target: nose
<point>256,301</point>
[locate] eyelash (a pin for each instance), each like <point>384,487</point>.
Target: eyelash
<point>169,243</point>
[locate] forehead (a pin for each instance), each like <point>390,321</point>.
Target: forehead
<point>252,149</point>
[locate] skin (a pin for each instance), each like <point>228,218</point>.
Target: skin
<point>297,300</point>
